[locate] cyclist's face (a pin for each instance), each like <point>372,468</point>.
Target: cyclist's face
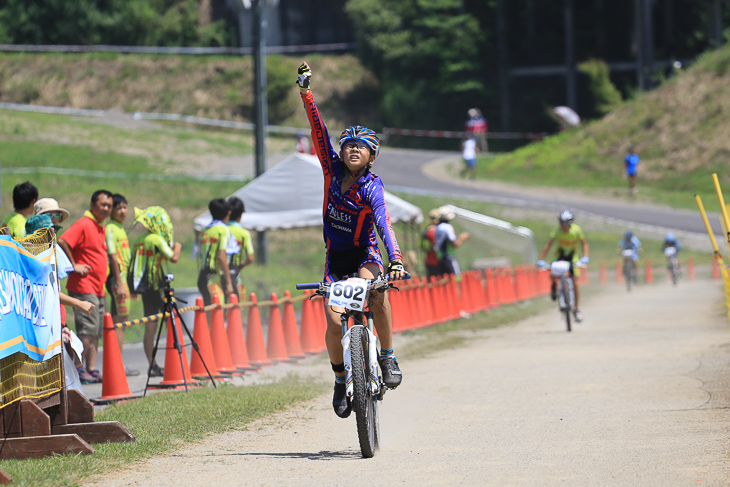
<point>565,226</point>
<point>356,155</point>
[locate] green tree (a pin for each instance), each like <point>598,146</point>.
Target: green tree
<point>425,54</point>
<point>606,95</point>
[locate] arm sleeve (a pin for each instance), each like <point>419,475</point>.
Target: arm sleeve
<point>320,137</point>
<point>163,247</point>
<point>381,218</point>
<point>110,247</point>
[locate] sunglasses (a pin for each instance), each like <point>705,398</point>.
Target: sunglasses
<point>56,214</point>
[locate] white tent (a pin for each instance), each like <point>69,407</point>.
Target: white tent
<point>290,195</point>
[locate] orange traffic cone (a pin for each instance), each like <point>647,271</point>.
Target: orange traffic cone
<point>715,269</point>
<point>201,335</point>
<point>255,336</point>
<point>603,277</point>
<point>310,332</point>
<point>649,277</point>
<point>236,340</point>
<point>177,370</point>
<point>291,334</point>
<point>219,339</point>
<point>619,273</point>
<point>114,387</point>
<point>691,274</point>
<point>276,350</point>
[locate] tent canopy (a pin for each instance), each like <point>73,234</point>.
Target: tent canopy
<point>290,195</point>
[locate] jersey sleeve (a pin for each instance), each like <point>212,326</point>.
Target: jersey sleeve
<point>320,137</point>
<point>111,248</point>
<point>162,246</point>
<point>247,245</point>
<point>376,199</point>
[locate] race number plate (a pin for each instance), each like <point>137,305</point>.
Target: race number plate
<point>350,293</point>
<point>670,251</point>
<point>627,253</point>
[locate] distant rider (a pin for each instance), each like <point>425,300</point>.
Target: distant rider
<point>630,242</point>
<point>567,234</point>
<point>671,241</point>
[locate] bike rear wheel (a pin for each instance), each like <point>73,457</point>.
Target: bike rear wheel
<point>363,402</point>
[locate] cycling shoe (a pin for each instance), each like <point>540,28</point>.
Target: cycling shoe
<point>392,376</point>
<point>340,401</point>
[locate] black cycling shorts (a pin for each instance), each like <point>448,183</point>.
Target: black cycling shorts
<point>341,263</point>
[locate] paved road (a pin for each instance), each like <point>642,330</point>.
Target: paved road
<point>636,395</point>
<point>401,170</point>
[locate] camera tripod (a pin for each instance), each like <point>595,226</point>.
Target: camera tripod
<point>170,309</point>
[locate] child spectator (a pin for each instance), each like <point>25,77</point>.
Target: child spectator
<point>117,244</point>
<point>24,197</point>
<point>214,277</point>
<point>148,270</point>
<point>238,260</point>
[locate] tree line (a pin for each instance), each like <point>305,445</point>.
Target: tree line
<point>433,59</point>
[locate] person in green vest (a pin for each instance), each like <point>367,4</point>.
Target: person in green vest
<point>238,260</point>
<point>214,277</point>
<point>24,197</point>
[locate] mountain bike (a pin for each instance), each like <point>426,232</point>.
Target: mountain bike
<point>363,380</point>
<point>672,263</point>
<point>628,269</point>
<point>560,269</point>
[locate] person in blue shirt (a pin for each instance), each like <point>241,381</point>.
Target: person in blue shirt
<point>630,242</point>
<point>632,165</point>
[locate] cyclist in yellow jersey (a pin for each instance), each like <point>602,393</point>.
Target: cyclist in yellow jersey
<point>117,246</point>
<point>24,197</point>
<point>214,277</point>
<point>567,235</point>
<point>238,260</point>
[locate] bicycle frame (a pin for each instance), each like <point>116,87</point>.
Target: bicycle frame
<point>368,329</point>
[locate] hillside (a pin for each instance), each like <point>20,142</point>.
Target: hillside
<point>681,130</point>
<point>205,86</point>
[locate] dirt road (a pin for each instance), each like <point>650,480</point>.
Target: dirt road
<point>636,395</point>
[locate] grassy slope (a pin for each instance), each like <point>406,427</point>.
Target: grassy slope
<point>681,131</point>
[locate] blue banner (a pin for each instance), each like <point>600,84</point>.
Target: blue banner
<point>30,319</point>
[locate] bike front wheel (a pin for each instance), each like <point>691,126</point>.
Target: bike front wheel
<point>628,274</point>
<point>566,290</point>
<point>364,402</point>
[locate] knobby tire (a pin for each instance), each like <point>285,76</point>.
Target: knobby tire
<point>363,402</point>
<point>565,291</point>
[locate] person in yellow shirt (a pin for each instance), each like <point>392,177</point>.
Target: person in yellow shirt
<point>567,234</point>
<point>215,277</point>
<point>24,197</point>
<point>238,260</point>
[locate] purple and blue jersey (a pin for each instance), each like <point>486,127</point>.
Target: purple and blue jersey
<point>350,218</point>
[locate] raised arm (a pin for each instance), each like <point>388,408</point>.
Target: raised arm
<point>320,137</point>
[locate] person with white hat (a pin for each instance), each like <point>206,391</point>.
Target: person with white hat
<point>50,206</point>
<point>446,240</point>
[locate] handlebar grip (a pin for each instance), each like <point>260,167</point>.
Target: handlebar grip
<point>308,285</point>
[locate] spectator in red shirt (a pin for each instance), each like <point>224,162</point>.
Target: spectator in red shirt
<point>85,245</point>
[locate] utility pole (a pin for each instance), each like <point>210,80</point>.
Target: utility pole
<point>570,71</point>
<point>260,104</point>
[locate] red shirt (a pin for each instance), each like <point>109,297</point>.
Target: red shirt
<point>88,246</point>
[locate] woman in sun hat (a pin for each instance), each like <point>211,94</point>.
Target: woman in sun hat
<point>50,206</point>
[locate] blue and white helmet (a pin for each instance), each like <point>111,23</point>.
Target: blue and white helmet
<point>358,132</point>
<point>670,237</point>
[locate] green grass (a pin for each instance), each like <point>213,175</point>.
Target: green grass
<point>163,422</point>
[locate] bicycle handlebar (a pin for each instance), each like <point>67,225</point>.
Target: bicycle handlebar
<point>307,285</point>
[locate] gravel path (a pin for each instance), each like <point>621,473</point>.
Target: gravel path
<point>636,395</point>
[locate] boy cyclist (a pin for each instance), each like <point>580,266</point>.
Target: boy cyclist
<point>117,247</point>
<point>214,277</point>
<point>353,208</point>
<point>630,242</point>
<point>568,234</point>
<point>238,260</point>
